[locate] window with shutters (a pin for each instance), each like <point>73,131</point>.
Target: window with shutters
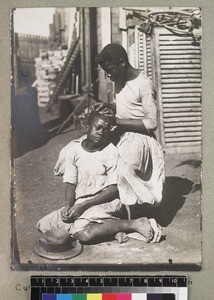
<point>178,79</point>
<point>174,65</point>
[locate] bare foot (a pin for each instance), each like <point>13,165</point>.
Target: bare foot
<point>143,226</point>
<point>121,237</point>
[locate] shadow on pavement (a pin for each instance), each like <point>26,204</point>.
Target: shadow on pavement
<point>174,192</point>
<point>191,162</point>
<point>28,131</point>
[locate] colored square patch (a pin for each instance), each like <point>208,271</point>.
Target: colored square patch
<point>109,297</point>
<point>124,296</point>
<point>94,297</point>
<point>139,296</point>
<point>168,297</point>
<point>64,297</point>
<point>48,297</point>
<point>154,297</point>
<point>79,297</point>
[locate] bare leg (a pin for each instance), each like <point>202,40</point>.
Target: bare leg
<point>110,227</point>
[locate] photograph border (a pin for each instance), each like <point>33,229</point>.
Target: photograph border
<point>200,282</point>
<point>65,266</point>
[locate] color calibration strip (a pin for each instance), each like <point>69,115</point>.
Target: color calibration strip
<point>108,288</point>
<point>137,296</point>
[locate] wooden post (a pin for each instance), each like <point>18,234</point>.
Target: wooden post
<point>87,50</point>
<point>87,46</point>
<point>106,25</point>
<point>82,58</point>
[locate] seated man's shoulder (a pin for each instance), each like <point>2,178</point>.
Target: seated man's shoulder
<point>72,145</point>
<point>67,153</point>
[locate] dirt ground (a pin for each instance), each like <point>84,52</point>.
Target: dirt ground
<point>38,192</point>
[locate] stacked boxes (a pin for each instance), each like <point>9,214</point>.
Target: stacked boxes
<point>48,66</point>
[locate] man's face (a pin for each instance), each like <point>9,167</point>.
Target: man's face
<point>98,132</point>
<point>114,71</point>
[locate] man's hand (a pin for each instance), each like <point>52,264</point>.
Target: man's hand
<point>99,107</point>
<point>76,211</point>
<point>69,214</point>
<point>103,109</point>
<point>65,215</point>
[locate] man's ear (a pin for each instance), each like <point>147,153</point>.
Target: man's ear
<point>122,63</point>
<point>86,129</point>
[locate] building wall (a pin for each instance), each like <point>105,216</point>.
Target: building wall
<point>115,30</point>
<point>106,87</point>
<point>26,49</point>
<point>102,90</point>
<point>60,30</point>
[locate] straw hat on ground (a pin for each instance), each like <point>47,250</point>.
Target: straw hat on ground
<point>57,244</point>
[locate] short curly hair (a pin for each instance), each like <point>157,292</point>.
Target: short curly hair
<point>112,53</point>
<point>95,114</point>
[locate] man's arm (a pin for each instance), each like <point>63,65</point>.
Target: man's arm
<point>131,125</point>
<point>112,106</point>
<point>103,107</point>
<point>147,124</point>
<point>69,201</point>
<point>69,194</point>
<point>108,194</point>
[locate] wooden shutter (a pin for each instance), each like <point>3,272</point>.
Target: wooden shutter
<point>177,66</point>
<point>144,46</point>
